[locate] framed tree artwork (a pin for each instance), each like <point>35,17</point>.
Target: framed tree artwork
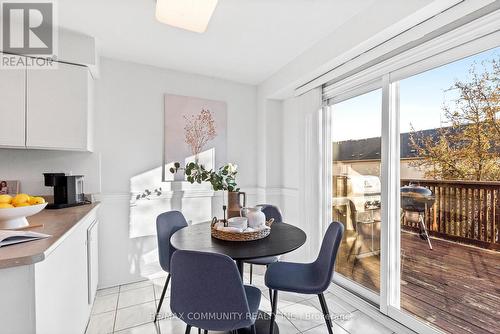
<point>195,129</point>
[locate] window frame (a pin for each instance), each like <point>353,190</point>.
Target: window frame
<point>475,37</point>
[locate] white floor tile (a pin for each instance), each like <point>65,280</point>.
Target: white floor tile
<point>158,285</point>
<point>173,325</point>
<point>104,303</point>
<point>303,315</point>
<point>136,296</point>
<point>297,313</point>
<point>135,315</point>
<point>336,306</point>
<point>360,323</point>
<point>101,323</point>
<point>149,328</point>
<point>322,329</point>
<point>135,285</point>
<point>285,325</point>
<point>108,291</point>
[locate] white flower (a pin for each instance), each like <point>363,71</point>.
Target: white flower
<point>232,168</point>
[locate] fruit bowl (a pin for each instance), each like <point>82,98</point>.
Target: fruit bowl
<point>12,218</point>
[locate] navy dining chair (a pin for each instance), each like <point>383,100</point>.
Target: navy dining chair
<point>167,224</point>
<point>307,278</point>
<point>207,292</point>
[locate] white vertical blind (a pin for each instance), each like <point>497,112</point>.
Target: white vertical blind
<point>310,139</point>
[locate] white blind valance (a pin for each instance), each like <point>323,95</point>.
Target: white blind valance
<point>461,38</point>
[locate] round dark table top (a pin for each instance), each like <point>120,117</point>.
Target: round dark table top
<point>283,239</point>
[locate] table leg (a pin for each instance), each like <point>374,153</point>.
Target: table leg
<point>262,323</point>
<point>241,267</point>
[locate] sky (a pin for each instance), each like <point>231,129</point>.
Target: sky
<point>421,100</point>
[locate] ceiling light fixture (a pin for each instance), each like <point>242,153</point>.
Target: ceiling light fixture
<point>192,15</point>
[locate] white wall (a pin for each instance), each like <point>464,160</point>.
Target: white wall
<point>127,158</point>
<point>129,137</point>
<point>28,166</point>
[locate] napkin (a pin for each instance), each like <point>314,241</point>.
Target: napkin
<point>220,226</point>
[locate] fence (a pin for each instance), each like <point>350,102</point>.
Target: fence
<point>464,211</point>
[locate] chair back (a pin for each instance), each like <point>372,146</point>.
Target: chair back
<point>207,291</point>
<point>271,211</point>
<point>167,224</point>
<point>325,263</point>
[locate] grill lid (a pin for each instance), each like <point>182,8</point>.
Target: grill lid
<point>414,198</point>
<point>416,191</point>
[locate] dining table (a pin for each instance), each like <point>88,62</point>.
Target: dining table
<point>284,238</point>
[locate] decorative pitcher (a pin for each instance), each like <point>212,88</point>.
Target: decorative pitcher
<point>255,216</point>
<point>234,203</point>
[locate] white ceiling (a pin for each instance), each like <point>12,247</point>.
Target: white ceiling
<point>246,41</point>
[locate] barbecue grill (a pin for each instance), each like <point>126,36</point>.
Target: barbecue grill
<point>414,202</point>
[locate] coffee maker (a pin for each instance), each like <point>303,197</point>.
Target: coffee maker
<point>68,190</point>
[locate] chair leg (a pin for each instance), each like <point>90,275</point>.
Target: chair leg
<point>188,329</point>
<point>205,331</point>
<point>251,273</point>
<point>273,312</point>
<point>253,329</point>
<point>271,296</point>
<point>326,313</point>
<point>162,296</point>
<point>199,330</point>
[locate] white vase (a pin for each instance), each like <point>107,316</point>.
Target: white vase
<point>255,216</point>
<point>179,176</point>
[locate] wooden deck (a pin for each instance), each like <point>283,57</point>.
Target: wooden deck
<point>454,287</point>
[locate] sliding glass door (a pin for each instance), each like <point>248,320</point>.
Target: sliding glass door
<point>356,154</point>
<point>415,179</point>
<point>450,203</point>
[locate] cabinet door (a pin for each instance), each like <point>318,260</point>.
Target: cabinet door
<point>61,288</point>
<point>58,108</point>
<point>92,260</point>
<point>12,106</point>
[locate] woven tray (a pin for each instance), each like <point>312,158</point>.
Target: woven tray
<point>236,236</point>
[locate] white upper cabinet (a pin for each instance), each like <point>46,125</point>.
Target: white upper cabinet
<point>59,107</point>
<point>12,108</point>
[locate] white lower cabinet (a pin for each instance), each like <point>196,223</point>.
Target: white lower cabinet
<point>53,296</point>
<point>92,260</point>
<point>62,286</point>
<point>61,294</point>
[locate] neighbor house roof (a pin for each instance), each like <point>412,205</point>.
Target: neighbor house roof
<point>369,148</point>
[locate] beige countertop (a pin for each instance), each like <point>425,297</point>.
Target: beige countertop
<point>58,223</point>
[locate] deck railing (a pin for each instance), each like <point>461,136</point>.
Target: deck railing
<point>464,211</point>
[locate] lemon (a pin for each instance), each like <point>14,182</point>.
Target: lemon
<point>5,206</point>
<point>20,198</point>
<point>36,200</point>
<point>18,205</point>
<point>5,199</point>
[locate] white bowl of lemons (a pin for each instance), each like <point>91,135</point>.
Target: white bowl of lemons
<point>14,210</point>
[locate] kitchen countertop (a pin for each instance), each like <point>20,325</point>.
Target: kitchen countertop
<point>58,223</point>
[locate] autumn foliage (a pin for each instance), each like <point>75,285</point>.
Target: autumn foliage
<point>467,146</point>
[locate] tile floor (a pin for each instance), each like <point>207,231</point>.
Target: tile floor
<point>130,308</point>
